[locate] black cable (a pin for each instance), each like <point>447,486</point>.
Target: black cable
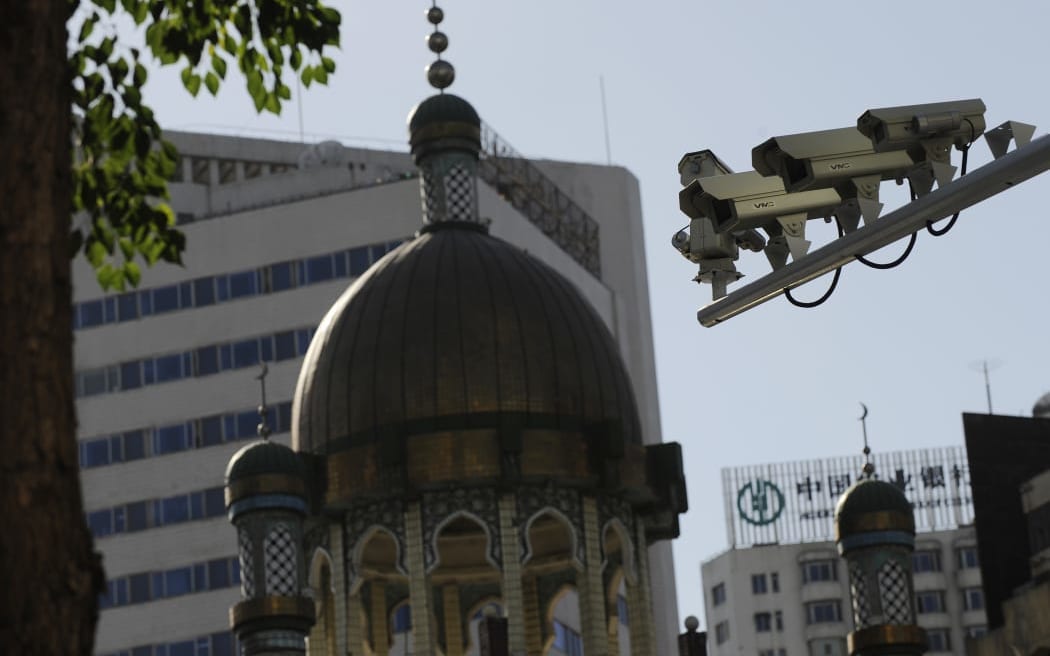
<point>812,304</point>
<point>831,288</point>
<point>889,265</point>
<point>951,222</point>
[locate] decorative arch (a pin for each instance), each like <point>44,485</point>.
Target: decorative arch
<point>574,539</point>
<point>563,592</point>
<point>453,517</point>
<point>319,559</point>
<point>623,543</point>
<point>473,618</point>
<point>357,554</point>
<point>321,581</point>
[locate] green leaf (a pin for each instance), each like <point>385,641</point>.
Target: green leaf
<point>212,82</point>
<point>255,85</point>
<point>96,253</point>
<point>218,64</point>
<point>132,273</point>
<point>329,64</point>
<point>273,103</point>
<point>283,92</point>
<point>140,75</point>
<point>127,248</point>
<point>87,27</point>
<point>296,60</point>
<point>193,85</point>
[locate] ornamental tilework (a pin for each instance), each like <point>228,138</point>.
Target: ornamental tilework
<point>244,548</point>
<point>858,586</point>
<point>479,503</point>
<point>459,194</point>
<point>533,500</point>
<point>893,590</point>
<point>279,549</point>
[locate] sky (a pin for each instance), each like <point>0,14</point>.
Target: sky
<point>775,383</point>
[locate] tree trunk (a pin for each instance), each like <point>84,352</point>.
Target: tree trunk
<point>50,576</point>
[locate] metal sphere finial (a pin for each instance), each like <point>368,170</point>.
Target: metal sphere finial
<point>691,623</point>
<point>440,74</point>
<point>437,41</point>
<point>435,15</point>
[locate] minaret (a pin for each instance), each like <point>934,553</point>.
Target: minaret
<point>875,532</point>
<point>266,501</point>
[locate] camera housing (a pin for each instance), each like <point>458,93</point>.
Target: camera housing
<point>957,123</point>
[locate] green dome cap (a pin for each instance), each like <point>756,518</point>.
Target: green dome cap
<point>261,458</point>
<point>873,505</point>
<point>442,108</point>
<point>444,123</point>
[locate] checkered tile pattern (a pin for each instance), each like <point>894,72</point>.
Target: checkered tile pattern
<point>244,544</point>
<point>280,562</point>
<point>858,590</point>
<point>893,589</point>
<point>459,195</point>
<point>431,198</point>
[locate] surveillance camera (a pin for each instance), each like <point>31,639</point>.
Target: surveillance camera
<point>956,123</point>
<point>701,164</point>
<point>827,158</point>
<point>743,201</point>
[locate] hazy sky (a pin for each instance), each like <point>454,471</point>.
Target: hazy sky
<point>775,383</point>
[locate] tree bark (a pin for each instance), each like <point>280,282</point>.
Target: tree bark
<point>50,575</point>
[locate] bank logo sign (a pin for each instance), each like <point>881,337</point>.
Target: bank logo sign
<point>794,502</point>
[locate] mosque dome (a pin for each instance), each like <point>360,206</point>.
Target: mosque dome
<point>1042,407</point>
<point>873,505</point>
<point>263,458</point>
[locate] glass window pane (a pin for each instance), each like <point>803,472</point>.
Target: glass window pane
<point>176,509</point>
<point>225,357</point>
<point>302,341</point>
<point>119,524</point>
<point>222,288</point>
<point>96,452</point>
<point>139,588</point>
<point>221,644</point>
<point>122,592</point>
<point>319,269</point>
<point>207,361</point>
<point>181,648</point>
<point>127,307</point>
<point>91,314</point>
<point>137,517</point>
<point>185,294</point>
<point>211,431</point>
<point>147,372</point>
<point>214,503</point>
<point>165,299</point>
<point>130,375</point>
<point>229,427</point>
<point>246,353</point>
<point>340,264</point>
<point>197,505</point>
<point>247,423</point>
<point>284,417</point>
<point>178,582</point>
<point>116,451</point>
<point>93,382</point>
<point>142,651</point>
<point>242,284</point>
<point>284,345</point>
<point>100,522</point>
<point>266,348</point>
<point>109,306</point>
<point>134,445</point>
<point>281,276</point>
<point>378,251</point>
<point>218,574</point>
<point>200,577</point>
<point>169,439</point>
<point>359,260</point>
<point>145,303</point>
<point>169,367</point>
<point>203,291</point>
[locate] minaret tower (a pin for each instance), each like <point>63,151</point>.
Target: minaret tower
<point>266,500</point>
<point>875,532</point>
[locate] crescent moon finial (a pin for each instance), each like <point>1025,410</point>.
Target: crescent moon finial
<point>865,415</point>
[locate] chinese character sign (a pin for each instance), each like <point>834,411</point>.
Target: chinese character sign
<point>795,502</point>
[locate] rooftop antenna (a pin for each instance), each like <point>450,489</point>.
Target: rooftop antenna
<point>984,366</point>
<point>868,468</point>
<point>263,430</point>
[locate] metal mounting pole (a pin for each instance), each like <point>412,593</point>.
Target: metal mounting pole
<point>997,176</point>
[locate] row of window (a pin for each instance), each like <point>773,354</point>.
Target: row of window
<point>204,361</point>
<point>149,586</point>
<point>932,601</point>
<point>929,560</point>
<point>183,436</point>
<point>154,513</point>
<point>567,640</point>
<point>215,644</point>
<point>824,611</point>
<point>211,290</point>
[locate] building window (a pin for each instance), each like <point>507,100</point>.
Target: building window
<point>567,640</point>
<point>926,561</point>
<point>758,584</point>
<point>763,623</point>
<point>722,632</point>
<point>821,612</point>
<point>815,571</point>
<point>402,620</point>
<point>718,594</point>
<point>621,610</point>
<point>929,601</point>
<point>772,652</point>
<point>973,599</point>
<point>778,620</point>
<point>967,557</point>
<point>938,640</point>
<point>774,581</point>
<point>976,631</point>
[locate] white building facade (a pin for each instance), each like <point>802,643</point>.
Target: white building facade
<point>165,374</point>
<point>782,590</point>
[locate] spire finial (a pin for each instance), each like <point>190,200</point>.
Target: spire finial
<point>868,468</point>
<point>440,73</point>
<point>263,429</point>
